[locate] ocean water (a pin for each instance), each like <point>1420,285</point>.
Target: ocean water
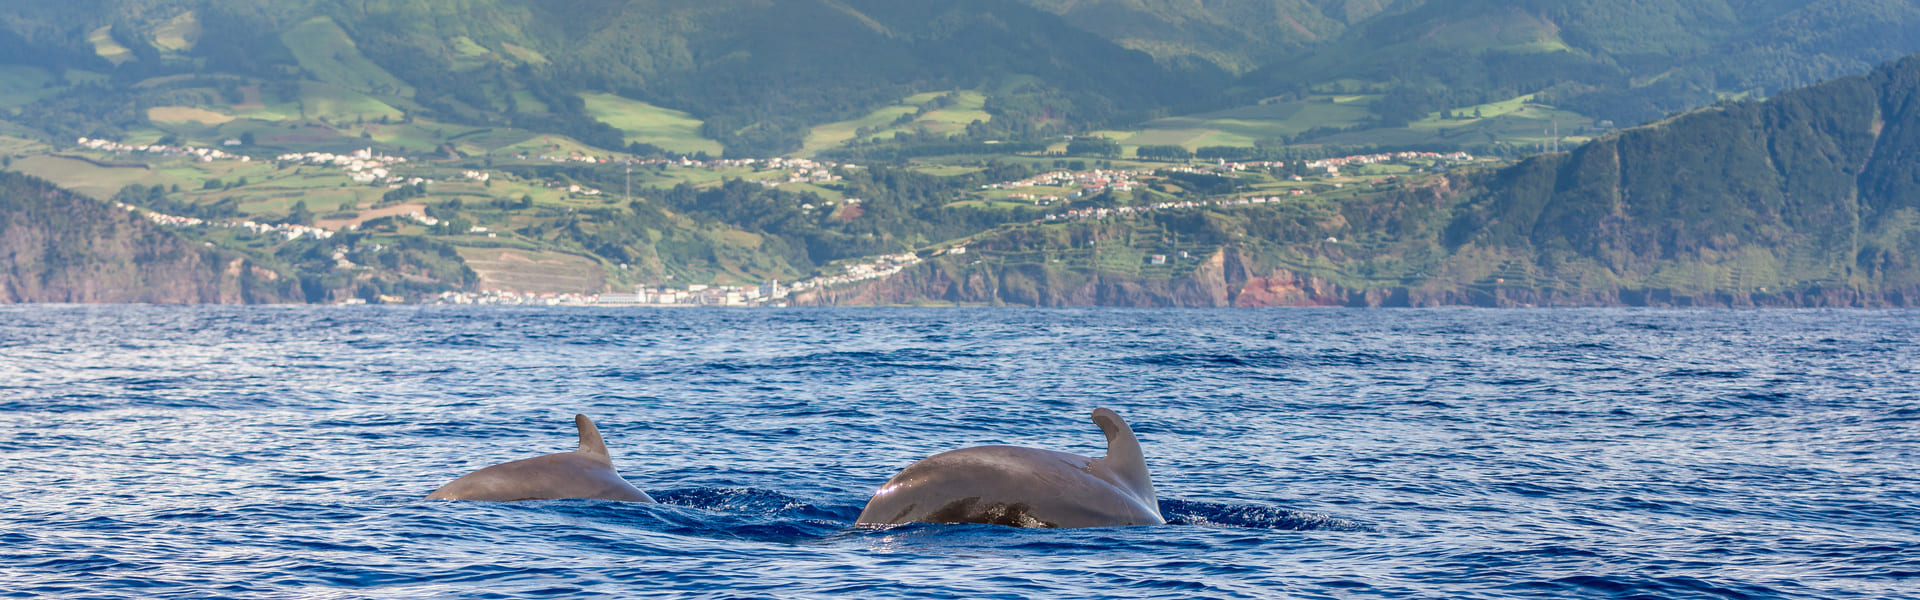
<point>282,452</point>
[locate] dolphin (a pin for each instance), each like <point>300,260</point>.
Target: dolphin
<point>1024,487</point>
<point>584,473</point>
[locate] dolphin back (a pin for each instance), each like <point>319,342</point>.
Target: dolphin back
<point>1124,458</point>
<point>1024,487</point>
<point>584,473</point>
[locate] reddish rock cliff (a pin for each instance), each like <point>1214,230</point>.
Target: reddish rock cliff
<point>56,246</point>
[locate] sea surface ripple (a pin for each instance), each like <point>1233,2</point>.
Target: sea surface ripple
<point>1460,453</point>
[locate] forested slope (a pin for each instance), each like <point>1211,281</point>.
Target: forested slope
<point>1818,187</point>
<point>760,74</point>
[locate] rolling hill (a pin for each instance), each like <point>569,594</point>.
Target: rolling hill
<point>757,78</point>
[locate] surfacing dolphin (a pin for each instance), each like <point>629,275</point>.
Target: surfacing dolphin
<point>1024,487</point>
<point>584,473</point>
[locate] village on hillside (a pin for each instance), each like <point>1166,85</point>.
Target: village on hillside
<point>367,167</point>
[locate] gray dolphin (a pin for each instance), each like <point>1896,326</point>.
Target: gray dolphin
<point>1024,487</point>
<point>584,473</point>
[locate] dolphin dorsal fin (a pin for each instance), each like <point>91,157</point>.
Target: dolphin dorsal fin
<point>590,442</point>
<point>1124,457</point>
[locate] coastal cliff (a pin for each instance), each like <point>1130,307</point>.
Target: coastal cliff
<point>1215,286</point>
<point>1808,199</point>
<point>57,246</point>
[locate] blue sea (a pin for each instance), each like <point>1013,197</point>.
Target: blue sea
<point>283,452</point>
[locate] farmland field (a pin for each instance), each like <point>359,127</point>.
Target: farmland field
<point>1247,125</point>
<point>670,129</point>
<point>969,106</point>
<point>508,269</point>
<point>105,46</point>
<point>186,114</point>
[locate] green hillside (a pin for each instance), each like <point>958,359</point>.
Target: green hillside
<point>1813,188</point>
<point>1238,35</point>
<point>1811,198</point>
<point>755,79</point>
<point>752,78</point>
<point>951,106</point>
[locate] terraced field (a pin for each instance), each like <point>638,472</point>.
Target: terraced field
<point>508,269</point>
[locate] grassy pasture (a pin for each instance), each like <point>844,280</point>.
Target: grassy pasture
<point>1511,32</point>
<point>1245,126</point>
<point>825,193</point>
<point>1512,121</point>
<point>523,54</point>
<point>670,129</point>
<point>968,107</point>
<point>700,177</point>
<point>90,179</point>
<point>330,102</point>
<point>545,144</point>
<point>178,34</point>
<point>485,141</point>
<point>21,85</point>
<point>948,170</point>
<point>525,102</point>
<point>10,145</point>
<point>420,136</point>
<point>1515,121</point>
<point>832,135</point>
<point>467,48</point>
<point>105,46</point>
<point>186,114</point>
<point>250,98</point>
<point>365,214</point>
<point>469,55</point>
<point>325,51</point>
